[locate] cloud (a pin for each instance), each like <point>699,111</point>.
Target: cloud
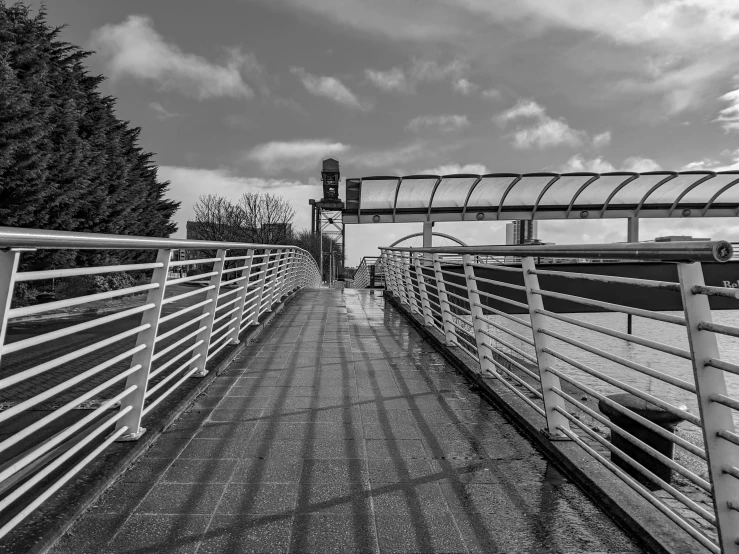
<point>452,169</point>
<point>464,86</point>
<point>389,159</point>
<point>708,164</point>
<point>491,94</point>
<point>443,123</point>
<point>729,116</point>
<point>188,183</point>
<point>543,130</point>
<point>431,70</point>
<point>599,165</point>
<point>329,87</point>
<point>393,80</point>
<point>161,112</point>
<point>601,140</point>
<point>298,155</point>
<point>134,49</point>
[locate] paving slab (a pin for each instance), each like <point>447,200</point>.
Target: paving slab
<point>341,430</point>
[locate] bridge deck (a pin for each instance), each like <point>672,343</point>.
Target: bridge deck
<point>343,431</point>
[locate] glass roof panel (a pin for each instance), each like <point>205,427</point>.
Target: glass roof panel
<point>489,191</point>
<point>634,191</point>
<point>597,192</point>
<point>668,193</point>
<point>378,194</point>
<point>563,189</point>
<point>705,191</point>
<point>415,193</point>
<point>452,192</point>
<point>527,190</point>
<point>730,195</point>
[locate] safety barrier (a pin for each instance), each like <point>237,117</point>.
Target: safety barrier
<point>370,273</point>
<point>124,364</point>
<point>540,356</point>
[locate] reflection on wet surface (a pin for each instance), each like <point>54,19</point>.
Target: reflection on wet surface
<point>343,431</point>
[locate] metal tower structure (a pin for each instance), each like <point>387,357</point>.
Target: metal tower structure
<point>327,220</point>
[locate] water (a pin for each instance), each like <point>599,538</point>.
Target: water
<point>666,333</point>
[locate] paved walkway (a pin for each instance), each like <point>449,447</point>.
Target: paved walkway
<point>343,431</point>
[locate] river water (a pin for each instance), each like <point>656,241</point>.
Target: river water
<point>665,333</point>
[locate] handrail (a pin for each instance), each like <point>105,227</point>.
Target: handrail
<point>18,237</point>
<point>694,251</point>
<point>532,356</point>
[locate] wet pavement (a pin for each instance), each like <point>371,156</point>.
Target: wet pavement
<point>343,431</point>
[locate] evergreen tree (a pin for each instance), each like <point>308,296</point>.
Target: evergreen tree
<point>66,161</point>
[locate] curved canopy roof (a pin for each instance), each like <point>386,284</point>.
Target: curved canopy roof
<point>509,196</point>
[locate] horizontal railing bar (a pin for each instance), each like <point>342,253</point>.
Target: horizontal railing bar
<point>693,251</point>
<point>235,258</point>
<point>663,285</point>
<point>190,278</point>
<point>725,366</point>
<point>518,351</point>
<point>234,269</point>
<point>498,267</point>
<point>180,328</point>
<point>42,497</point>
<point>173,360</point>
<point>614,307</point>
<point>504,329</point>
<point>664,377</point>
<point>69,302</point>
<point>499,283</point>
<point>728,436</point>
<point>718,328</point>
<point>731,470</point>
<point>53,391</point>
<point>46,366</point>
<point>644,492</point>
<point>174,345</point>
<point>716,291</point>
<point>17,237</point>
<point>672,464</point>
<point>175,298</point>
<point>725,400</point>
<point>690,447</point>
<point>183,311</point>
<point>225,326</point>
<point>60,437</point>
<point>170,376</point>
<point>174,387</point>
<point>217,350</point>
<point>66,331</point>
<point>666,348</point>
<point>222,317</point>
<point>458,297</point>
<point>515,377</point>
<point>503,299</point>
<point>640,468</point>
<point>180,263</point>
<point>75,271</point>
<point>226,304</point>
<point>505,315</point>
<point>522,396</point>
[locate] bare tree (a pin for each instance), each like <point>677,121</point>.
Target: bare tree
<point>269,217</point>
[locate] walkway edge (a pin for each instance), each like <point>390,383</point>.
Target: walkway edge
<point>66,520</point>
<point>627,508</point>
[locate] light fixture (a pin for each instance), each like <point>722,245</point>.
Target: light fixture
<point>584,214</point>
<point>686,212</point>
<point>376,218</point>
<point>480,216</point>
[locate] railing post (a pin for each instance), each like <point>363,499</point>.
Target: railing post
<point>8,268</point>
<point>254,319</point>
<point>446,317</point>
<point>425,306</point>
<point>143,358</point>
<point>544,359</point>
<point>241,302</point>
<point>389,284</point>
<point>409,283</point>
<point>275,280</point>
<point>715,417</point>
<point>486,366</point>
<point>287,281</point>
<point>210,309</point>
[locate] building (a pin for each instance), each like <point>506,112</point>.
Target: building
<point>522,231</point>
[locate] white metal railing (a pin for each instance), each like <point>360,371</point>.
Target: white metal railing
<point>136,359</point>
<point>554,362</point>
<point>369,267</point>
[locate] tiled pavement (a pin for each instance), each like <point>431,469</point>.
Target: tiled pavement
<point>342,431</point>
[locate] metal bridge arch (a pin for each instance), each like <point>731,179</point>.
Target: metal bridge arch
<point>442,235</point>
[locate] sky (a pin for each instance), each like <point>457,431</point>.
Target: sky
<point>250,95</point>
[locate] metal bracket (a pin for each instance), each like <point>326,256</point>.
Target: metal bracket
<point>130,437</point>
<point>553,437</point>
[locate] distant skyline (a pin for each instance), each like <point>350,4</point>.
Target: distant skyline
<point>244,95</point>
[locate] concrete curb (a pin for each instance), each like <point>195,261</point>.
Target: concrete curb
<point>138,448</point>
<point>636,515</point>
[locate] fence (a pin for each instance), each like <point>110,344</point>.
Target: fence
<point>556,363</point>
<point>120,366</point>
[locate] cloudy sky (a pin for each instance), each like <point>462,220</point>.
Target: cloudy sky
<point>237,95</point>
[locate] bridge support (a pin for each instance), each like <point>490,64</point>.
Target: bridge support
<point>632,232</point>
<point>428,230</point>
